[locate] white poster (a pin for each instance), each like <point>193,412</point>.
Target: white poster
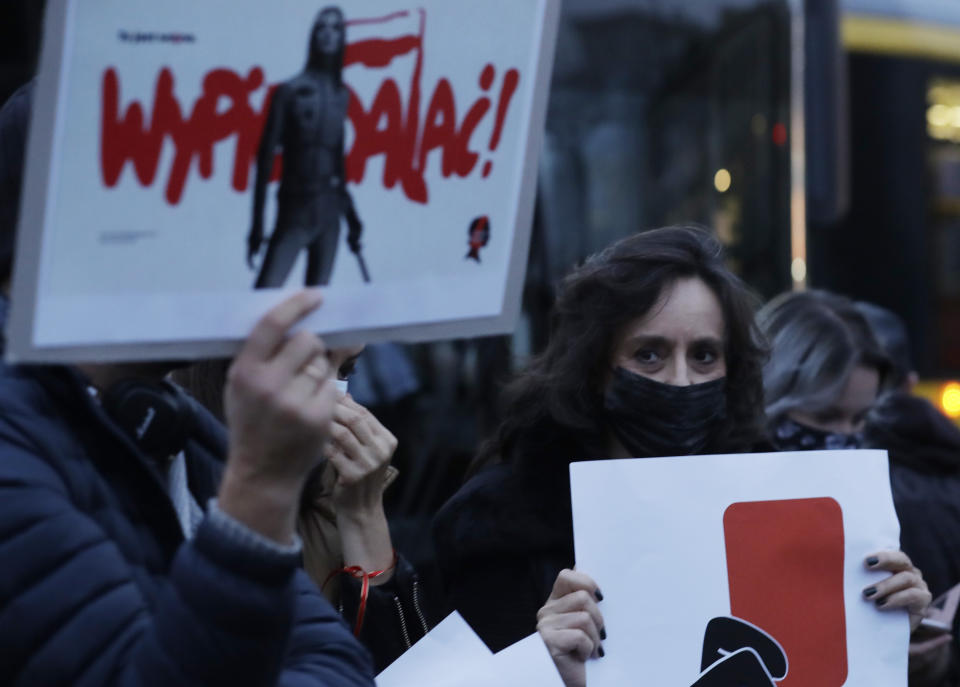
<point>191,162</point>
<point>740,569</point>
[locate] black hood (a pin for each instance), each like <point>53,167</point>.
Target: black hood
<point>317,61</point>
<point>914,433</point>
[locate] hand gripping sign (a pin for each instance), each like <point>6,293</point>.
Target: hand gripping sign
<point>185,171</point>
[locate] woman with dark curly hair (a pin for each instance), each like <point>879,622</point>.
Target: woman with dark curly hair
<point>654,351</point>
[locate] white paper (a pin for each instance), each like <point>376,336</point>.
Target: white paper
<point>447,655</point>
<point>527,663</point>
<point>452,655</point>
<point>136,223</point>
<point>651,533</point>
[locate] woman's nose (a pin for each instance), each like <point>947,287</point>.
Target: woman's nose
<point>679,373</point>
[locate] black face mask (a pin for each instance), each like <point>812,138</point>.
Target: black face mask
<point>792,436</point>
<point>655,419</point>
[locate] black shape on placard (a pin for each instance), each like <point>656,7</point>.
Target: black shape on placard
<point>725,636</point>
<point>743,668</point>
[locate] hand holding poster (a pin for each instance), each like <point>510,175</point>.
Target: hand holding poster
<point>185,170</point>
<point>740,567</point>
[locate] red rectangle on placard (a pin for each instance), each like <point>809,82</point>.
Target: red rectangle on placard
<point>785,566</point>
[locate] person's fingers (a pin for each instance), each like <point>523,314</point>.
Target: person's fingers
<point>891,561</point>
<point>301,350</point>
<point>561,642</point>
<point>914,599</point>
<point>569,581</point>
<point>271,331</point>
<point>355,418</point>
<point>368,431</point>
<point>577,620</point>
<point>895,583</point>
<point>299,387</point>
<point>348,472</point>
<point>349,402</point>
<point>350,469</point>
<point>299,391</point>
<point>346,440</point>
<point>578,601</point>
<point>317,410</point>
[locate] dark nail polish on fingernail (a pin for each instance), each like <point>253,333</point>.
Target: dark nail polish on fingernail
<point>597,593</point>
<point>600,652</point>
<point>603,633</point>
<point>872,561</point>
<point>870,591</point>
<point>881,602</point>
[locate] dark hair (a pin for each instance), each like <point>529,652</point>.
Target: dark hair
<point>14,123</point>
<point>554,408</point>
<point>817,338</point>
<point>205,381</point>
<point>318,60</point>
<point>891,333</point>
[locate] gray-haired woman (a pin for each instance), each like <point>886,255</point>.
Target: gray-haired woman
<point>824,372</point>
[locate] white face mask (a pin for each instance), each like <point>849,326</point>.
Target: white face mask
<point>342,386</point>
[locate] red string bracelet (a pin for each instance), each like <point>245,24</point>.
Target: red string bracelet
<point>365,577</point>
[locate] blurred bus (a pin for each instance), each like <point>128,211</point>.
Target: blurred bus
<point>897,242</point>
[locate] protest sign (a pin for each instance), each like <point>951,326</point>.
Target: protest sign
<point>740,569</point>
<point>190,163</point>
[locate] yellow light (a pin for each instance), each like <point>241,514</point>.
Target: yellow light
<point>939,115</point>
<point>798,270</point>
<point>950,399</point>
<point>722,180</point>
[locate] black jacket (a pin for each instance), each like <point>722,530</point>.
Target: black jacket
<point>924,449</point>
<point>98,586</point>
<point>501,541</point>
<point>397,614</point>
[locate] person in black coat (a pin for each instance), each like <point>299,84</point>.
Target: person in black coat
<point>653,352</point>
<point>144,544</point>
<point>924,449</point>
<point>850,389</point>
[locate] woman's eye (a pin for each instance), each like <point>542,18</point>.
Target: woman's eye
<point>706,356</point>
<point>647,356</point>
<point>345,371</point>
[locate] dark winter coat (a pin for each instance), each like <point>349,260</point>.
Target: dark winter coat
<point>501,541</point>
<point>98,586</point>
<point>924,450</point>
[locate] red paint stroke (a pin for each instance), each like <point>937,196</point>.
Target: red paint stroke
<point>510,82</point>
<point>392,127</point>
<point>378,20</point>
